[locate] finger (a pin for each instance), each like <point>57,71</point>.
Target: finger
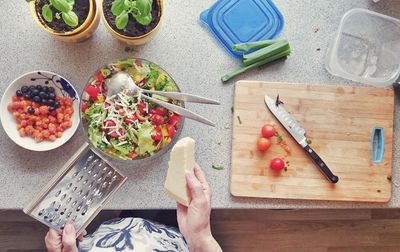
<point>53,241</point>
<point>198,172</point>
<point>81,235</point>
<point>68,239</point>
<point>195,187</point>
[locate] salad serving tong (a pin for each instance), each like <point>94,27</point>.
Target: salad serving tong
<point>122,80</point>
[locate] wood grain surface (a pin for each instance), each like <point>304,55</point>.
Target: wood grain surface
<point>341,230</point>
<point>338,120</point>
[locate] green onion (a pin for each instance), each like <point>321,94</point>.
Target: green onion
<point>243,69</point>
<point>266,52</point>
<point>217,167</point>
<point>254,45</point>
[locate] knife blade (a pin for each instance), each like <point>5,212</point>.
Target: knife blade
<point>298,133</point>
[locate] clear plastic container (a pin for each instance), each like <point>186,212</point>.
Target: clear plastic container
<point>366,48</point>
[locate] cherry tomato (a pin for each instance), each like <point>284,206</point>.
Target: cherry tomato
<point>92,91</point>
<point>268,131</point>
<point>157,135</point>
<point>174,120</point>
<point>141,107</point>
<point>114,134</point>
<point>132,154</point>
<point>100,77</point>
<point>107,124</point>
<point>161,111</point>
<point>84,107</point>
<point>277,164</point>
<point>171,131</point>
<point>130,119</point>
<point>263,144</point>
<point>157,120</point>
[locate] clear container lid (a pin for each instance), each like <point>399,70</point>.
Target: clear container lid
<point>366,48</point>
<point>240,21</point>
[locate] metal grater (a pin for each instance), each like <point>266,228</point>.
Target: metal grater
<point>77,193</point>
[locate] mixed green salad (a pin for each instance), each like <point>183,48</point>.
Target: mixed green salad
<point>124,126</point>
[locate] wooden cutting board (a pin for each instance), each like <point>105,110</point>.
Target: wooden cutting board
<point>338,120</point>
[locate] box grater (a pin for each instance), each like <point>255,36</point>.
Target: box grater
<point>77,192</point>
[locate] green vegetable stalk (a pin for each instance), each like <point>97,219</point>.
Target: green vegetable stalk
<point>65,10</point>
<point>268,51</point>
<point>243,69</point>
<point>254,45</point>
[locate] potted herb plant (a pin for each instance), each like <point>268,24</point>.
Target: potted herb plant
<point>66,20</point>
<point>134,22</point>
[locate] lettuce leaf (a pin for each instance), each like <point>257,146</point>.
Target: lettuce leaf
<point>145,142</point>
<point>123,149</point>
<point>95,136</point>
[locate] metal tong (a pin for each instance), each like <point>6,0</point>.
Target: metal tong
<point>122,80</point>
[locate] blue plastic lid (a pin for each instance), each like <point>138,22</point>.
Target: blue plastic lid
<point>239,21</point>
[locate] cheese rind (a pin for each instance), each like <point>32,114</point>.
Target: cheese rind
<point>181,160</point>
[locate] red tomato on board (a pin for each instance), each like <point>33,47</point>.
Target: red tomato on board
<point>268,131</point>
<point>277,164</point>
<point>263,144</point>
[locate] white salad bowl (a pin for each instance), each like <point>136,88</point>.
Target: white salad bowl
<point>45,78</point>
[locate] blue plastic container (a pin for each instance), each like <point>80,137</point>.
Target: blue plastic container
<point>240,21</point>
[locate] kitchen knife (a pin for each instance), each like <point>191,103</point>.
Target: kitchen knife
<point>298,133</point>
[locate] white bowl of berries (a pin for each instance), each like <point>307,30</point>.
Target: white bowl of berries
<point>39,110</point>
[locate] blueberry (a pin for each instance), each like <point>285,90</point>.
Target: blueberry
<point>24,89</point>
<point>57,104</point>
<point>31,110</point>
<point>35,92</point>
<point>52,109</point>
<point>43,95</point>
<point>39,87</point>
<point>45,89</point>
<point>52,96</point>
<point>19,93</point>
<point>44,101</point>
<point>27,96</point>
<point>52,90</point>
<point>32,87</point>
<point>50,102</point>
<point>36,99</point>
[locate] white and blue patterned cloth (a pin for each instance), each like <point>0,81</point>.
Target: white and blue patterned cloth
<point>134,234</point>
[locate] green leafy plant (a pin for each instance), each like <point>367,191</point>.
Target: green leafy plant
<point>140,10</point>
<point>65,12</point>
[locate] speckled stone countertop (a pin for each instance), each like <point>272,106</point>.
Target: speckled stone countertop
<point>196,62</point>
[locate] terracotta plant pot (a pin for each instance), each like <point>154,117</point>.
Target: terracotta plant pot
<point>81,33</point>
<point>138,40</point>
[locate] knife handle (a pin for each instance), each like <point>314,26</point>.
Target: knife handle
<point>321,164</point>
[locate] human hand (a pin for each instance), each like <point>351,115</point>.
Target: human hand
<point>194,220</point>
<point>65,242</point>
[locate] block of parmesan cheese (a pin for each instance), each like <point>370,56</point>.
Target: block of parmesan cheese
<point>181,160</point>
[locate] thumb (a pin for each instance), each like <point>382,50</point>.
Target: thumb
<point>68,239</point>
<point>195,187</point>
